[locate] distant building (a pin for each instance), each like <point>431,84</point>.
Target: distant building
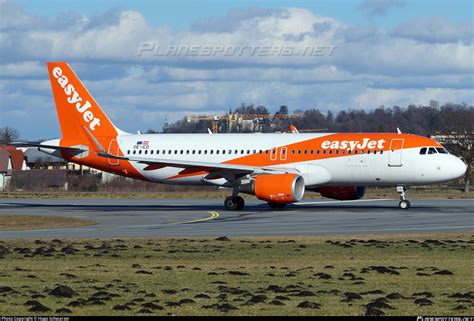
<point>10,159</point>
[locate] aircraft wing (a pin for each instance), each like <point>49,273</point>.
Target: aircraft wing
<point>238,170</point>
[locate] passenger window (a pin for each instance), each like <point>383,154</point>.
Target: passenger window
<point>181,152</point>
<point>292,151</point>
<point>205,151</point>
<point>187,151</point>
<point>324,151</point>
<point>423,151</point>
<point>337,151</point>
<point>128,151</point>
<point>157,152</point>
<point>432,150</point>
<point>349,151</point>
<point>343,151</point>
<point>381,152</point>
<point>230,151</point>
<point>134,152</point>
<point>441,150</point>
<point>241,151</point>
<point>146,152</point>
<point>194,152</point>
<point>260,151</point>
<point>199,152</point>
<point>139,152</point>
<point>211,151</point>
<point>317,152</point>
<point>330,152</point>
<point>355,152</point>
<point>175,152</point>
<point>266,152</point>
<point>299,151</point>
<point>248,151</point>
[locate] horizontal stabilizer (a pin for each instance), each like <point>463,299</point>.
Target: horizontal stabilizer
<point>72,150</point>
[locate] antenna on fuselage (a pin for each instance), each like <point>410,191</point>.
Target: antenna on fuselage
<point>399,131</point>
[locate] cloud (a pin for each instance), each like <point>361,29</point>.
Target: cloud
<point>367,67</point>
<point>379,7</point>
<point>436,30</point>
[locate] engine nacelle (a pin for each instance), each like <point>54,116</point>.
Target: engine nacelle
<point>342,193</point>
<point>277,188</point>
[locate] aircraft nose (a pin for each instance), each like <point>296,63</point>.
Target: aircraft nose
<point>457,168</point>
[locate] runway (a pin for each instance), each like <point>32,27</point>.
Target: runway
<point>123,218</point>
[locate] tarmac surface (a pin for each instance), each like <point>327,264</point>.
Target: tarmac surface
<point>122,218</point>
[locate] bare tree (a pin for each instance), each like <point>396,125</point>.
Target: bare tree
<point>457,124</point>
<point>8,135</point>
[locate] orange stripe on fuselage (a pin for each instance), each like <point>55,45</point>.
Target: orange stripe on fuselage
<point>314,144</point>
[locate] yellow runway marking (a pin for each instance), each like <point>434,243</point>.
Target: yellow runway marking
<point>213,215</point>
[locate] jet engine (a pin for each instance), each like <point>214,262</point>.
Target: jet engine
<point>277,188</point>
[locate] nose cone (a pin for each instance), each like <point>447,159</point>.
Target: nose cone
<point>457,168</point>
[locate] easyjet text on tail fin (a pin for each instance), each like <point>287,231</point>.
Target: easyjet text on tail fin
<point>76,107</point>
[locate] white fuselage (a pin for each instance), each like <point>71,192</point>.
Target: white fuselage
<point>377,168</point>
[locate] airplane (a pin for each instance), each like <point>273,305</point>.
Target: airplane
<point>277,168</point>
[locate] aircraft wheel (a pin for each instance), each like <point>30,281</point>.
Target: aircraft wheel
<point>233,203</point>
<point>276,205</point>
<point>404,204</point>
<point>240,202</point>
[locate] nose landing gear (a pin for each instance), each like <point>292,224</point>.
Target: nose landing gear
<point>404,202</point>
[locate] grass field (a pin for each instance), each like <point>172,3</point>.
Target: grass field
<point>414,193</point>
<point>36,222</point>
<point>422,274</point>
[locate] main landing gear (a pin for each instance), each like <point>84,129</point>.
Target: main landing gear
<point>404,203</point>
<point>233,203</point>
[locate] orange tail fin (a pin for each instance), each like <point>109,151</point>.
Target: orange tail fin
<point>76,107</point>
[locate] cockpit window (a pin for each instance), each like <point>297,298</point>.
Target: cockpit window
<point>423,151</point>
<point>432,150</point>
<point>441,150</point>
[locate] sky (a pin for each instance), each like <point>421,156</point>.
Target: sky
<point>147,61</point>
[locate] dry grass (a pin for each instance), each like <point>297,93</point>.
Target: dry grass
<point>35,222</point>
<point>241,274</point>
<point>414,193</point>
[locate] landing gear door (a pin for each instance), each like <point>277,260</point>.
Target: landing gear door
<point>114,150</point>
<point>395,153</point>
